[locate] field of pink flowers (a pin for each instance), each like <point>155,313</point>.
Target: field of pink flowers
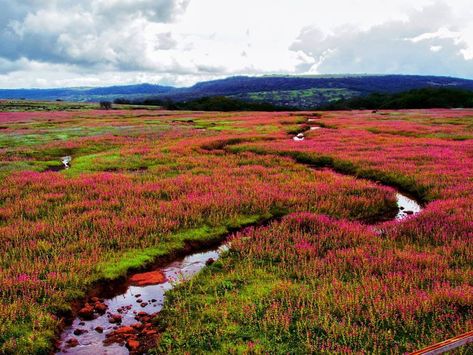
<point>143,184</point>
<point>312,283</point>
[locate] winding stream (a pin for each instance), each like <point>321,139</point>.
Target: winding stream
<point>118,322</point>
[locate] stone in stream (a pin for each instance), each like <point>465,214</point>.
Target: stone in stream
<point>87,312</point>
<point>115,318</point>
<point>100,308</point>
<point>80,331</point>
<point>210,261</point>
<point>133,345</point>
<point>99,330</point>
<point>148,278</point>
<point>137,326</point>
<point>124,330</point>
<point>72,342</point>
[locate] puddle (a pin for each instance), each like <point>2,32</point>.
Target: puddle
<point>139,296</point>
<point>66,161</point>
<point>66,164</point>
<point>407,207</point>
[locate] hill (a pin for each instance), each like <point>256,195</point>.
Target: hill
<point>304,92</point>
<point>412,99</point>
<point>86,94</point>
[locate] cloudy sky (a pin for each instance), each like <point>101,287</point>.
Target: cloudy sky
<point>53,43</point>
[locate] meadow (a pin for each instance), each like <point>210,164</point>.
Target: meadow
<point>315,277</point>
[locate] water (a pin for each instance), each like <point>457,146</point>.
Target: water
<point>150,298</point>
<point>66,161</point>
<point>407,207</point>
<point>126,304</point>
<point>66,164</point>
<point>300,137</point>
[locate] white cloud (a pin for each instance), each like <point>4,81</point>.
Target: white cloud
<point>428,41</point>
<point>95,42</point>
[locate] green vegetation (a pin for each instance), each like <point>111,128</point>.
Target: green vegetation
<point>317,276</point>
<point>413,99</point>
<point>215,103</point>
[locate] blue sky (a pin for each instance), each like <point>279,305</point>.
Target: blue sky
<point>54,43</point>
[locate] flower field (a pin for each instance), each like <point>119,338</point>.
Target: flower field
<point>144,184</point>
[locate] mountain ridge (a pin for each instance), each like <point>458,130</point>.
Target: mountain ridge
<point>291,91</point>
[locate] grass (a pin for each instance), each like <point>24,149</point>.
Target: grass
<point>147,184</point>
<point>140,258</point>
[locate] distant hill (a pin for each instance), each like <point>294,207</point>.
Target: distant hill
<point>86,94</point>
<point>413,99</point>
<point>304,92</point>
<point>311,92</point>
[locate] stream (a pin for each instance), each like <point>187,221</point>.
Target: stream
<point>119,322</point>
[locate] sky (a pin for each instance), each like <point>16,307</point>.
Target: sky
<point>69,43</point>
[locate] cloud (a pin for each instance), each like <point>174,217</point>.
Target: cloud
<point>428,41</point>
<point>102,33</point>
<point>99,42</point>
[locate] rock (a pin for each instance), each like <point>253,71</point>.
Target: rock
<point>148,278</point>
<point>150,332</point>
<point>87,312</point>
<point>137,326</point>
<point>409,212</point>
<point>95,299</point>
<point>124,330</point>
<point>133,345</point>
<point>99,330</point>
<point>210,261</point>
<point>80,331</point>
<point>139,300</point>
<point>72,342</point>
<point>138,295</point>
<point>154,300</point>
<point>100,308</point>
<point>115,318</point>
<point>144,304</point>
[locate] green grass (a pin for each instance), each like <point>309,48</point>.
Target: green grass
<point>38,335</point>
<point>119,266</point>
